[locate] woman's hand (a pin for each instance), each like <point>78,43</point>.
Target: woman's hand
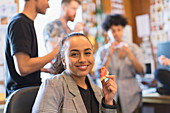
<point>112,47</point>
<point>109,89</point>
<point>126,51</point>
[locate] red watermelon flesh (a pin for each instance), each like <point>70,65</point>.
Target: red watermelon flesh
<point>103,73</point>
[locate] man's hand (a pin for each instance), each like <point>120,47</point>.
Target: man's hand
<point>78,27</point>
<point>47,70</point>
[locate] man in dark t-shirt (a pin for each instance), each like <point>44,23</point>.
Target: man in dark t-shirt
<point>22,63</point>
<point>16,43</point>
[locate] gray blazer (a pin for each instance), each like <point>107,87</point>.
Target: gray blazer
<point>60,94</point>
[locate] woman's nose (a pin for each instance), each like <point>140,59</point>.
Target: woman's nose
<point>82,58</point>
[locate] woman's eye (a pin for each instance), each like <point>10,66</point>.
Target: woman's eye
<point>74,54</point>
<point>88,53</point>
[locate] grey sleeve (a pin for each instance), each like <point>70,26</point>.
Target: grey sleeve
<point>49,98</point>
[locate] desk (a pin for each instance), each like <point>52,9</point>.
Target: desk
<point>156,103</point>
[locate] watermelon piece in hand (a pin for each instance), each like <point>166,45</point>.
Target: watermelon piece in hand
<point>103,73</point>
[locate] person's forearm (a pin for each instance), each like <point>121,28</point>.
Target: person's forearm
<point>136,63</point>
<point>29,65</point>
<point>35,64</point>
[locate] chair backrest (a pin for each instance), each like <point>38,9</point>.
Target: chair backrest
<point>21,101</point>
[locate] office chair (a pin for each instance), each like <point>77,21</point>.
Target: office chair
<point>21,101</point>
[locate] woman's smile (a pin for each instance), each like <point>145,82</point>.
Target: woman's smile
<point>82,67</point>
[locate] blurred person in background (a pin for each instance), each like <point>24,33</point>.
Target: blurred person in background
<point>124,60</point>
<point>57,29</point>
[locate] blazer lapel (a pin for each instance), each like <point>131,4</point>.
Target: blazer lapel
<point>79,104</point>
<point>73,89</point>
<point>97,92</point>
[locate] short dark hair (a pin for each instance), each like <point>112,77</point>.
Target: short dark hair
<point>116,19</point>
<point>68,1</point>
<point>58,66</point>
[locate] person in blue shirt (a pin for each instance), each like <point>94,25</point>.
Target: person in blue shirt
<point>57,29</point>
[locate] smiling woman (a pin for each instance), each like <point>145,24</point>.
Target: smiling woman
<point>74,53</point>
<point>72,91</point>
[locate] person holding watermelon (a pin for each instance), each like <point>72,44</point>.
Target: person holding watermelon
<point>72,91</point>
<point>124,60</point>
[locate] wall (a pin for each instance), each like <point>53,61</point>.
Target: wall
<point>133,8</point>
<point>138,7</point>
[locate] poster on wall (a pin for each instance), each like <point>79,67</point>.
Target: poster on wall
<point>6,12</point>
<point>7,1</point>
<point>8,9</point>
<point>143,25</point>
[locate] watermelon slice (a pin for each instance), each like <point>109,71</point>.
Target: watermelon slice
<point>103,73</point>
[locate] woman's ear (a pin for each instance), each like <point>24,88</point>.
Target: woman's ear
<point>63,61</point>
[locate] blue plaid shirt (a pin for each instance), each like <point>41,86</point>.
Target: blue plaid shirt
<point>54,30</point>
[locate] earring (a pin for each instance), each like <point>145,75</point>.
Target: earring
<point>64,65</point>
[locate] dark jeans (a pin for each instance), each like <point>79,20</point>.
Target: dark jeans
<point>163,76</point>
